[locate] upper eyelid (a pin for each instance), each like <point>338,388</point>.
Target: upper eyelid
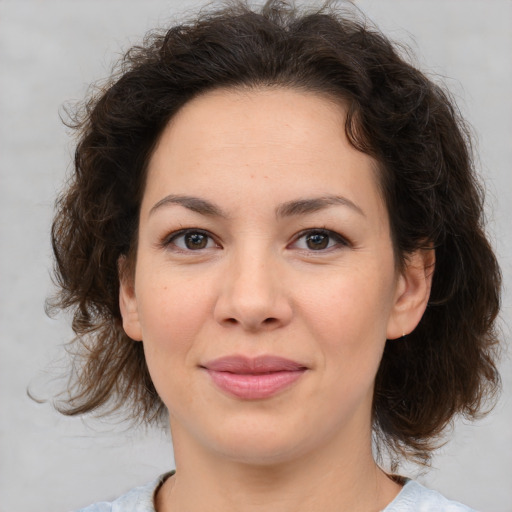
<point>167,239</point>
<point>179,232</point>
<point>329,232</point>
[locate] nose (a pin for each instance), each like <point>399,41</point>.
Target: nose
<point>253,294</point>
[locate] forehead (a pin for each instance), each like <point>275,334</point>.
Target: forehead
<point>290,139</point>
<point>271,114</point>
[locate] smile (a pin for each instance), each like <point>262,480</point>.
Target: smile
<point>256,378</point>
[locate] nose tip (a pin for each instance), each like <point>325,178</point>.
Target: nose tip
<point>253,299</point>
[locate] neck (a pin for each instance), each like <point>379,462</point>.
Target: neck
<point>203,481</point>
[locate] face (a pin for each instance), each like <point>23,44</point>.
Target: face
<point>265,284</point>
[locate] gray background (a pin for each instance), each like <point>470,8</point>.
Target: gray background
<point>49,52</point>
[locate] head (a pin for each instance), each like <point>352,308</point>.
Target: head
<point>390,113</point>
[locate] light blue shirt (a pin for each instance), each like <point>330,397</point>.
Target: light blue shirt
<point>412,498</point>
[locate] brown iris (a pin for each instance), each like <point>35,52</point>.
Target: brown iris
<point>317,241</point>
<point>196,240</point>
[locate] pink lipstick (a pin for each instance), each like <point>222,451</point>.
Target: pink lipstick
<point>254,378</point>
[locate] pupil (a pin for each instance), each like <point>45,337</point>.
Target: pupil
<point>317,241</point>
<point>196,241</point>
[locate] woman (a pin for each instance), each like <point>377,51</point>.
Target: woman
<point>274,238</point>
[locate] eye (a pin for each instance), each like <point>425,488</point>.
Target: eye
<point>318,240</point>
<point>191,240</point>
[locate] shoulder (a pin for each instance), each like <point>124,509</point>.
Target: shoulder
<point>416,498</point>
<point>139,499</point>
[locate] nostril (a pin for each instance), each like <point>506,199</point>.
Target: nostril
<point>269,320</point>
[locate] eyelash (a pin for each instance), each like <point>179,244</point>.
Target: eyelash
<point>331,235</point>
<point>171,239</point>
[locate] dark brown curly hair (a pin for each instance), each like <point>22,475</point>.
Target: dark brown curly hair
<point>408,123</point>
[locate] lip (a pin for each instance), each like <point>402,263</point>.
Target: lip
<point>254,378</point>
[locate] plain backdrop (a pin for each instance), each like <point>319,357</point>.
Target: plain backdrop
<point>49,51</point>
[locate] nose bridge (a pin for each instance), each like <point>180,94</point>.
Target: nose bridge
<point>252,294</point>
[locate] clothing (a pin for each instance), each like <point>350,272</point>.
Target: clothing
<point>412,498</point>
<point>415,498</point>
<point>139,499</point>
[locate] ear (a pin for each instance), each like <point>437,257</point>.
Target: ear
<point>412,293</point>
<point>128,301</point>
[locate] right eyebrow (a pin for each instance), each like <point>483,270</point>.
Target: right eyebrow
<point>196,204</point>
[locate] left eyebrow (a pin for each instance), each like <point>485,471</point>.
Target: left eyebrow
<point>305,206</point>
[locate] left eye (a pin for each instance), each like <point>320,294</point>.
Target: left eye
<point>318,240</point>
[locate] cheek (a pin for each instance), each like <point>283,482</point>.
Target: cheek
<point>171,321</point>
<point>349,315</point>
<point>172,312</point>
<point>351,302</point>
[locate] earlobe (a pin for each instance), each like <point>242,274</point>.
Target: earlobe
<point>128,302</point>
<point>412,293</point>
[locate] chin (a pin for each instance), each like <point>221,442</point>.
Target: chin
<point>259,444</point>
<point>262,456</point>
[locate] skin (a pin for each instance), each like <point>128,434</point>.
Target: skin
<point>255,284</point>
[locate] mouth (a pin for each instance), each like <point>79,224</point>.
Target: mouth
<point>254,378</point>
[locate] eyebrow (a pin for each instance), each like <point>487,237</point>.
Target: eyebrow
<point>305,206</point>
<point>196,204</point>
<point>288,209</point>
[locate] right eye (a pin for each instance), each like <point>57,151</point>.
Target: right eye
<point>191,240</point>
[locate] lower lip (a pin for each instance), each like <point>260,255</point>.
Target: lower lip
<point>255,386</point>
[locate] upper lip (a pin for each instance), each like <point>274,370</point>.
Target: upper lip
<point>253,365</point>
